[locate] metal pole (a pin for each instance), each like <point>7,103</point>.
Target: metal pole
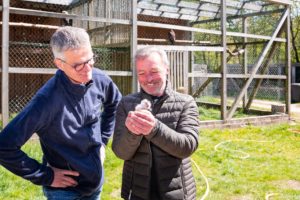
<point>133,44</point>
<point>223,63</point>
<point>288,63</point>
<point>5,62</point>
<point>245,59</point>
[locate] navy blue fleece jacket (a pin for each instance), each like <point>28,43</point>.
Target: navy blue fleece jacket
<point>72,122</point>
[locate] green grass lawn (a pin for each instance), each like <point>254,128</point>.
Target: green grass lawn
<point>272,166</point>
<point>207,113</point>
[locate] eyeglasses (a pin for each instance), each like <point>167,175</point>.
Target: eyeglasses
<point>79,67</point>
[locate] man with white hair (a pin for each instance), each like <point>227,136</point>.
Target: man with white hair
<point>157,137</point>
<point>74,115</point>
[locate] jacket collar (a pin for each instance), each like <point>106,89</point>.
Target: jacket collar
<point>69,86</point>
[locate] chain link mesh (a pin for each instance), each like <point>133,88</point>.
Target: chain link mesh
<point>270,90</point>
<point>29,48</point>
<point>30,36</point>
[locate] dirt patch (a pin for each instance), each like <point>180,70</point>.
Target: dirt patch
<point>116,193</point>
<point>294,130</point>
<point>244,197</point>
<point>288,184</point>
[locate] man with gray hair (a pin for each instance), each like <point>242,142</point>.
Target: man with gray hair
<point>155,134</point>
<point>74,115</point>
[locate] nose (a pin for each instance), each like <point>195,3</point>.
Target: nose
<point>149,78</point>
<point>87,66</point>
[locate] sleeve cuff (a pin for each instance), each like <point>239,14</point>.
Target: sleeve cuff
<point>154,130</point>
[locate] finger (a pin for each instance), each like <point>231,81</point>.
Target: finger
<point>135,129</point>
<point>142,127</point>
<point>144,123</point>
<point>130,114</point>
<point>128,120</point>
<point>65,184</point>
<point>145,116</point>
<point>143,111</point>
<point>69,181</point>
<point>70,172</point>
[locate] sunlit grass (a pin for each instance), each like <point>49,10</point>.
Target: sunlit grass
<point>271,168</point>
<point>13,187</point>
<point>273,161</point>
<point>207,113</point>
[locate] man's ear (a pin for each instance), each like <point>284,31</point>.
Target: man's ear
<point>58,63</point>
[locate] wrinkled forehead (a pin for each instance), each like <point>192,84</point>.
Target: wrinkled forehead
<point>151,60</point>
<point>79,54</point>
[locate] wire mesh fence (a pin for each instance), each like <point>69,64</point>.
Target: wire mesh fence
<point>271,90</point>
<point>22,87</point>
<point>30,36</point>
<point>29,49</point>
<point>242,57</point>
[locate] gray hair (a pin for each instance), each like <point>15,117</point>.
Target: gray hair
<point>147,51</point>
<point>66,38</point>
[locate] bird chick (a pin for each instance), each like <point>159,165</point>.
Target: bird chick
<point>144,105</point>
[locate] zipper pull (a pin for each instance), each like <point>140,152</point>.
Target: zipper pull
<point>129,197</point>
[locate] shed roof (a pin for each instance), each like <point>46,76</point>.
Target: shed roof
<point>168,2</point>
<point>205,9</point>
<point>200,11</point>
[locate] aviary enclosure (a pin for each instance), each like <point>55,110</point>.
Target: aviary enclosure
<point>223,52</point>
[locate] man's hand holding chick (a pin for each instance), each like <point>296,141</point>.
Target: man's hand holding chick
<point>141,121</point>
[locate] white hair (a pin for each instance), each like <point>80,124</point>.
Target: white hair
<point>147,51</point>
<point>68,37</point>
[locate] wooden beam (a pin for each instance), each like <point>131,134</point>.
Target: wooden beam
<point>64,3</point>
<point>5,63</point>
<point>223,62</point>
<point>257,65</point>
<point>133,46</point>
<point>253,36</point>
<point>177,41</point>
<point>117,73</point>
<point>21,24</point>
<point>254,14</point>
<point>263,71</point>
<point>196,74</point>
<point>201,30</point>
<point>29,70</point>
<point>202,87</point>
<point>285,2</point>
<point>242,43</point>
<point>245,55</point>
<point>184,48</point>
<point>288,97</point>
<point>22,11</point>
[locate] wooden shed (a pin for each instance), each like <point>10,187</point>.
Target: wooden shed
<point>210,36</point>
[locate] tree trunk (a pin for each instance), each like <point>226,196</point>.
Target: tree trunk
<point>294,42</point>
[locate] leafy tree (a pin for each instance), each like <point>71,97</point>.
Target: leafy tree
<point>295,28</point>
